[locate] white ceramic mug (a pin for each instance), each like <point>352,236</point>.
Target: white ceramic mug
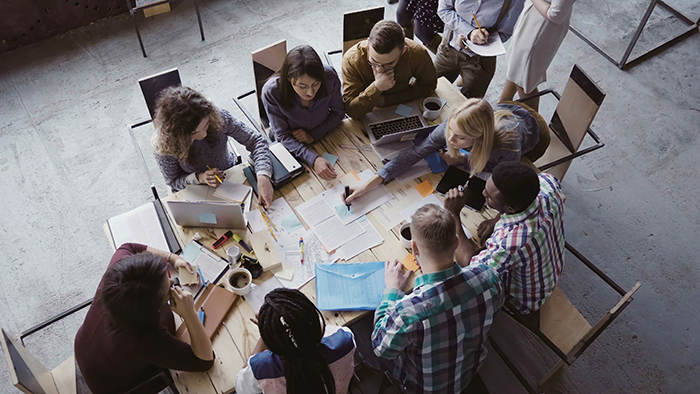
<point>433,106</point>
<point>403,240</point>
<point>239,281</point>
<point>233,254</point>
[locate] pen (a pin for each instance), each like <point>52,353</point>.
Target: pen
<point>301,245</point>
<point>217,177</point>
<point>347,194</point>
<point>477,23</point>
<point>242,243</point>
<point>201,314</point>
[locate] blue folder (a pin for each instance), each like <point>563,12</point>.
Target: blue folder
<point>349,286</point>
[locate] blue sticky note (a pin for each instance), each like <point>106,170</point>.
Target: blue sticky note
<point>291,223</point>
<point>191,252</point>
<point>343,211</point>
<point>331,158</point>
<point>207,218</point>
<point>404,110</point>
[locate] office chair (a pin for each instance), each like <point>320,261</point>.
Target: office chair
<point>135,5</point>
<point>571,122</point>
<point>562,329</point>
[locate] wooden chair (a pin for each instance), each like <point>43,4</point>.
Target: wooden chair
<point>266,62</point>
<point>571,122</point>
<point>135,5</point>
<point>562,328</point>
<point>356,27</point>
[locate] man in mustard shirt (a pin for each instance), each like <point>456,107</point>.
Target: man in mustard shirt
<point>385,70</point>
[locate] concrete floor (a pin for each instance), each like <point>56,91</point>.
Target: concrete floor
<point>67,164</point>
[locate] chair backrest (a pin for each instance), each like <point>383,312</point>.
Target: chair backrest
<point>27,373</point>
<point>266,62</point>
<point>358,24</point>
<point>153,85</point>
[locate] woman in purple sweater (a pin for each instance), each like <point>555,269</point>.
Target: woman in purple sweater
<point>129,332</point>
<point>304,103</point>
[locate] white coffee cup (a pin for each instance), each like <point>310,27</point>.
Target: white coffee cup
<point>433,107</point>
<point>239,281</point>
<point>233,254</point>
<point>405,235</point>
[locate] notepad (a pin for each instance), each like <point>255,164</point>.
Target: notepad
<point>425,188</point>
<point>349,286</point>
<point>409,262</point>
<point>232,191</point>
<point>187,279</point>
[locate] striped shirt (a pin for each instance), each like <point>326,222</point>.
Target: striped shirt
<point>437,334</point>
<point>527,248</point>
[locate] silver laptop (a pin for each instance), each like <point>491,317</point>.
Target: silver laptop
<point>207,214</point>
<point>389,151</point>
<point>384,125</point>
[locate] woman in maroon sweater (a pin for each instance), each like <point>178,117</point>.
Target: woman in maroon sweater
<point>129,332</point>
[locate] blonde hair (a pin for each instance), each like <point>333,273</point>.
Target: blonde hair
<point>435,227</point>
<point>490,130</point>
<point>179,111</point>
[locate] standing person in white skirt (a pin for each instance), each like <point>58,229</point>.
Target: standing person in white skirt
<point>538,34</point>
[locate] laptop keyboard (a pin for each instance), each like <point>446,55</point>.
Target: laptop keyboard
<point>394,126</point>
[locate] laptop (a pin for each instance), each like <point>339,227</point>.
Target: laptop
<point>389,151</point>
<point>384,125</point>
<point>207,214</point>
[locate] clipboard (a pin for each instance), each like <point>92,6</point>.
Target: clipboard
<point>216,302</point>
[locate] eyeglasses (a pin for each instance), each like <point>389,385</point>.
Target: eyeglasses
<point>386,66</point>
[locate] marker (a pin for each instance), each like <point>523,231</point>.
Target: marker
<point>301,245</point>
<point>222,239</point>
<point>241,242</point>
<point>347,194</point>
<point>217,177</point>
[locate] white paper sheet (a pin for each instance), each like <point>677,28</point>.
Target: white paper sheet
<point>139,225</point>
<point>493,47</point>
<point>256,296</point>
<point>314,211</point>
<point>314,252</point>
<point>210,264</point>
<point>333,233</point>
<point>199,193</point>
<point>389,214</point>
<point>369,239</point>
<point>278,212</point>
<point>361,206</point>
<point>408,212</point>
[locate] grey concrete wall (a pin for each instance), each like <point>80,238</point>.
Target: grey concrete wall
<point>67,164</point>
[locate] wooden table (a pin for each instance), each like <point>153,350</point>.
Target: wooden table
<point>234,342</point>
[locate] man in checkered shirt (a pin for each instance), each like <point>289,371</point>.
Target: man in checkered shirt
<point>436,335</point>
<point>526,247</point>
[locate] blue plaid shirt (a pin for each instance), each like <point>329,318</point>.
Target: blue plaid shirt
<point>437,334</point>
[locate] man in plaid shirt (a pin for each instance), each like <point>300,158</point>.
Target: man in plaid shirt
<point>436,335</point>
<point>527,244</point>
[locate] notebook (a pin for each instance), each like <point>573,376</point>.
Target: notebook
<point>216,302</point>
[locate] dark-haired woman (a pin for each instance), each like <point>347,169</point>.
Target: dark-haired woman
<point>304,102</point>
<point>129,332</point>
<point>297,352</point>
<point>192,135</point>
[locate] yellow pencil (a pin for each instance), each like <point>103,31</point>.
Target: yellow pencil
<point>217,177</point>
<point>477,23</point>
<point>267,224</point>
<point>267,218</point>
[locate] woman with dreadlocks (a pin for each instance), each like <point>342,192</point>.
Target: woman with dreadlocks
<point>297,352</point>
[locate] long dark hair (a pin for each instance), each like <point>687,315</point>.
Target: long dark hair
<point>179,110</point>
<point>292,327</point>
<point>299,61</point>
<point>132,293</point>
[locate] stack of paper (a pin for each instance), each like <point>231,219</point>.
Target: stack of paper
<point>323,221</point>
<point>232,191</point>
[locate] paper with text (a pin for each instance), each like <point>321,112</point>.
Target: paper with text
<point>366,241</point>
<point>139,225</point>
<point>360,206</point>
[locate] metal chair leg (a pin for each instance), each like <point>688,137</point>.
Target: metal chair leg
<point>138,33</point>
<point>199,19</point>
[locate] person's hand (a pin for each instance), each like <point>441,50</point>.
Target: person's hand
<point>182,263</point>
<point>324,169</point>
<point>209,177</point>
<point>265,191</point>
<point>479,37</point>
<point>485,228</point>
<point>454,201</point>
<point>302,136</point>
<point>360,190</point>
<point>384,80</point>
<point>395,275</point>
<point>182,302</point>
<point>462,40</point>
<point>453,160</point>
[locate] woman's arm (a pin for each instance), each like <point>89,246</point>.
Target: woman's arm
<point>253,141</point>
<point>174,260</point>
<point>174,175</point>
<point>182,303</point>
<point>406,160</point>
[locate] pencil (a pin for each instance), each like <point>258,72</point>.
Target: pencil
<point>269,220</point>
<point>267,224</point>
<point>477,23</point>
<point>219,179</point>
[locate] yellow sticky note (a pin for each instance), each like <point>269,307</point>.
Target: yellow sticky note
<point>410,262</point>
<point>425,189</point>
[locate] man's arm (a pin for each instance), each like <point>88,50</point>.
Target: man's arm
<point>390,334</point>
<point>423,70</point>
<point>454,201</point>
<point>359,96</point>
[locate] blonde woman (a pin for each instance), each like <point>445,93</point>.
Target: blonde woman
<point>192,135</point>
<point>491,135</point>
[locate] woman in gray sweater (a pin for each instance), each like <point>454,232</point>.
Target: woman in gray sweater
<point>491,135</point>
<point>191,142</point>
